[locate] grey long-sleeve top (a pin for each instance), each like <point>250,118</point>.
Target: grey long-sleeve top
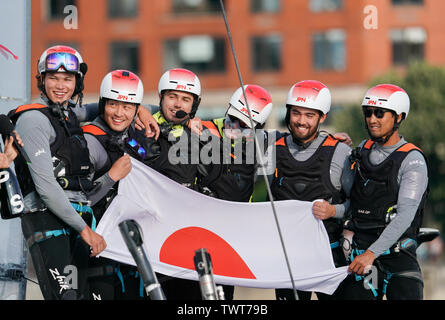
<point>37,134</point>
<point>412,179</point>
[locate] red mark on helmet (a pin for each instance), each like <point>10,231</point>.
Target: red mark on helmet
<point>122,97</point>
<point>181,87</point>
<point>301,99</point>
<point>372,102</point>
<point>4,51</point>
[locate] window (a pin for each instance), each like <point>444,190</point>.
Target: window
<point>122,8</point>
<point>266,53</point>
<point>55,8</point>
<point>125,55</point>
<point>329,50</point>
<point>196,6</point>
<point>200,53</point>
<point>401,2</point>
<point>265,5</point>
<point>325,5</point>
<point>408,45</point>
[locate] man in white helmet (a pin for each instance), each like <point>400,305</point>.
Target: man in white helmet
<point>231,173</point>
<point>311,165</point>
<point>112,138</point>
<point>180,95</point>
<point>387,202</point>
<point>56,182</point>
<point>232,176</point>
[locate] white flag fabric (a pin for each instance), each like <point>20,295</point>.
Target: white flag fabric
<point>241,238</point>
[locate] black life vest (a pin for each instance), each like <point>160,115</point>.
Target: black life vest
<point>374,195</point>
<point>116,144</point>
<point>69,151</point>
<point>308,180</point>
<point>229,181</point>
<point>184,172</point>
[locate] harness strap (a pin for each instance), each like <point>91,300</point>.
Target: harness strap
<point>118,273</point>
<point>82,208</point>
<point>101,271</point>
<point>44,235</point>
<point>400,246</point>
<point>335,244</point>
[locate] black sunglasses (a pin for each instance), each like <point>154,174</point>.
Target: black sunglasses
<point>378,112</point>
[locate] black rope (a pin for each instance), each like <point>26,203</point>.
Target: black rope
<point>269,192</point>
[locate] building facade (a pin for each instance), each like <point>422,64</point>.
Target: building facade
<point>343,43</point>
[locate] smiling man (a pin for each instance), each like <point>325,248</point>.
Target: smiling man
<point>311,165</point>
<point>180,95</point>
<point>387,201</point>
<point>56,182</point>
<point>111,139</point>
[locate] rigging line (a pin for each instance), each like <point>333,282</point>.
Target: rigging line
<point>269,192</point>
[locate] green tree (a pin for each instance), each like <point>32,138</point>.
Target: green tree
<point>424,126</point>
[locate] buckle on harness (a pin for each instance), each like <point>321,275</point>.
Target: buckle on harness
<point>406,243</point>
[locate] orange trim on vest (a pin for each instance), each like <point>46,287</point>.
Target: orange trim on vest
<point>29,107</point>
<point>368,144</point>
<point>408,147</point>
<point>280,142</point>
<point>96,131</point>
<point>212,128</point>
<point>329,142</point>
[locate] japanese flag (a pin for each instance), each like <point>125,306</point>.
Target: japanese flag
<point>242,238</point>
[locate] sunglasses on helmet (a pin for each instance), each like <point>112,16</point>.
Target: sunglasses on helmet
<point>378,112</point>
<point>62,59</point>
<point>135,145</point>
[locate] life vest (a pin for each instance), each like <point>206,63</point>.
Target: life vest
<point>69,151</point>
<point>115,144</point>
<point>374,195</point>
<point>308,180</point>
<point>184,172</point>
<point>229,181</point>
<point>118,143</point>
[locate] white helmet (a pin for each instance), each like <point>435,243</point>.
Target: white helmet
<point>122,85</point>
<point>387,96</point>
<point>61,59</point>
<point>310,94</point>
<point>180,80</point>
<point>260,104</point>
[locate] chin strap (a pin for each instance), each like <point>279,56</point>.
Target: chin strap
<point>383,140</point>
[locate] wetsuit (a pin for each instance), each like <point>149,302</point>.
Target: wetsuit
<point>318,170</point>
<point>109,279</point>
<point>55,187</point>
<point>387,201</point>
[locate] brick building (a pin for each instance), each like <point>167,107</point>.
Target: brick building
<point>343,43</point>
